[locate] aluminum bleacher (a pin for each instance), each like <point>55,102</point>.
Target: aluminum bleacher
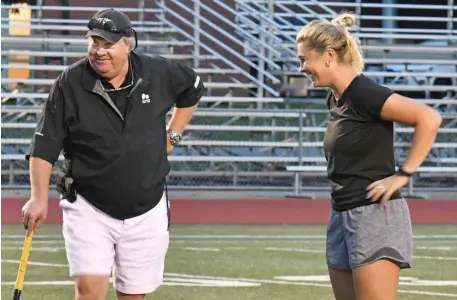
<point>389,49</point>
<point>261,124</point>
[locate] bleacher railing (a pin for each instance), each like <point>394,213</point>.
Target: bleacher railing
<point>206,32</point>
<point>286,17</point>
<point>242,148</point>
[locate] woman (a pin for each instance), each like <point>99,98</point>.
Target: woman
<point>369,236</point>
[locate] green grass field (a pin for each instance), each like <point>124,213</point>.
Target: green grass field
<point>223,262</point>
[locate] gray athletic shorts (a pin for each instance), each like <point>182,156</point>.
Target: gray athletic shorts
<point>366,234</point>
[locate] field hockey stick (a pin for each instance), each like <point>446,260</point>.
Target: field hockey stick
<point>22,266</point>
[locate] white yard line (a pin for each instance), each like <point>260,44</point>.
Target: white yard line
<point>37,236</point>
<point>435,257</point>
<point>295,250</point>
<point>245,236</point>
<point>292,237</point>
<point>415,292</point>
<point>437,248</point>
<point>202,249</point>
<point>223,281</point>
<point>236,248</point>
<point>36,249</point>
<point>235,241</point>
<point>35,263</point>
<point>305,250</point>
<point>40,242</point>
<point>424,293</point>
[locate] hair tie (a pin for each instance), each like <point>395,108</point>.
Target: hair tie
<point>339,23</point>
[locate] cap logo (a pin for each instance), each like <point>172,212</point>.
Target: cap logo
<point>104,20</point>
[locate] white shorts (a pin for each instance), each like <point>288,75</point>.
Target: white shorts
<point>132,250</point>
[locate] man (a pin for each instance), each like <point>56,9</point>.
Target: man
<point>108,114</point>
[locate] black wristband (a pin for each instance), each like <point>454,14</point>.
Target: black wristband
<point>402,172</point>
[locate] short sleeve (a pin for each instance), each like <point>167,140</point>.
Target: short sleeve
<point>187,85</point>
<point>47,140</point>
<point>371,97</point>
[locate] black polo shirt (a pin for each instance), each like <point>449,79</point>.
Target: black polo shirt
<point>118,151</point>
<point>358,143</point>
<point>120,95</point>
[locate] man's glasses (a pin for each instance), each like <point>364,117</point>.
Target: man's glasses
<point>108,25</point>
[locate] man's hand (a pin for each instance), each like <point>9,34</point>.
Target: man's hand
<point>169,145</point>
<point>34,212</point>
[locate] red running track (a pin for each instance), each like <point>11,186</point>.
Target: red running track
<point>255,211</point>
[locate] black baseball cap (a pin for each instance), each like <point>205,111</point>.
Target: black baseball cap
<point>110,24</point>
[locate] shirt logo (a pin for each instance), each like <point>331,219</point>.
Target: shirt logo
<point>145,98</point>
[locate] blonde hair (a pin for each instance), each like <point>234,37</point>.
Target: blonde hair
<point>321,35</point>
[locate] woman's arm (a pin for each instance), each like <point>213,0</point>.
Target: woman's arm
<point>426,121</point>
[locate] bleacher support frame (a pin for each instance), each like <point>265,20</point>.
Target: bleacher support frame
<point>248,130</point>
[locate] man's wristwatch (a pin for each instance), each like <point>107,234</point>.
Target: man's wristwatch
<point>175,138</point>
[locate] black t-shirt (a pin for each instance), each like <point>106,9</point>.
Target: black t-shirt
<point>358,143</point>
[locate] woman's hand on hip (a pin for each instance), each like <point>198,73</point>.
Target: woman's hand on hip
<point>385,188</point>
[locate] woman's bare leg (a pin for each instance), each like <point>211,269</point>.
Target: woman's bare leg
<point>342,284</point>
<point>377,281</point>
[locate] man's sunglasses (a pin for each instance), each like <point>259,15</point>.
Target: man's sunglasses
<point>111,27</point>
<point>108,26</point>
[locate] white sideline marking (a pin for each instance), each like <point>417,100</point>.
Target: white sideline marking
<point>404,281</point>
<point>295,250</point>
<point>201,280</point>
<point>435,257</point>
<point>42,242</point>
<point>235,248</point>
<point>247,280</point>
<point>37,236</point>
<point>172,281</point>
<point>309,284</point>
<point>286,237</point>
<point>36,249</point>
<point>424,293</point>
<point>202,249</point>
<point>440,248</point>
<point>323,251</point>
<point>241,236</point>
<point>36,263</point>
<point>63,282</point>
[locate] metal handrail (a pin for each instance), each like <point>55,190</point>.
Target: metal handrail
<point>70,21</point>
<point>260,13</point>
<point>369,17</point>
<point>246,20</point>
<point>225,33</point>
<point>261,17</point>
<point>366,5</point>
<point>215,53</point>
<point>233,25</point>
<point>80,8</point>
<point>287,31</point>
<point>305,8</point>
